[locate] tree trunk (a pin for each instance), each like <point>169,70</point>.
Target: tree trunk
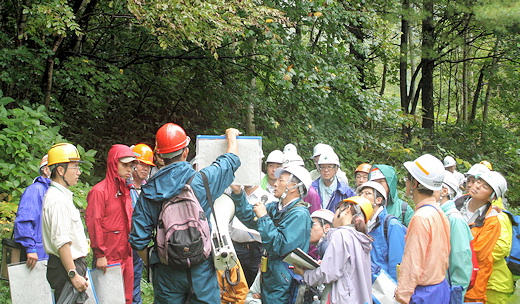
<point>476,96</point>
<point>383,79</point>
<point>406,130</point>
<point>49,70</point>
<point>403,60</point>
<point>428,65</point>
<point>465,84</point>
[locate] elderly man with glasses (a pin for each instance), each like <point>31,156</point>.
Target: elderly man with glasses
<point>331,190</point>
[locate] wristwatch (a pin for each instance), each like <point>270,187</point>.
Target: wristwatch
<point>72,273</point>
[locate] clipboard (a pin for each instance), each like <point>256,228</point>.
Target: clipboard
<point>300,258</point>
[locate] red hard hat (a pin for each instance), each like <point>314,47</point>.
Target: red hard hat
<point>170,138</point>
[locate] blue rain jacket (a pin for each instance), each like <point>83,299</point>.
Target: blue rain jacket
<point>386,254</point>
<point>293,231</point>
<point>28,222</point>
<point>342,192</point>
<point>171,286</point>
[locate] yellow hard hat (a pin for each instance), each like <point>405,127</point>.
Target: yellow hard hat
<point>487,164</point>
<point>363,203</point>
<point>63,153</point>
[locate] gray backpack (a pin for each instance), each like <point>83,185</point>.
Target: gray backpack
<point>183,234</point>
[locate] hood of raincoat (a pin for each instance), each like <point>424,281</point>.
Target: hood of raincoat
<point>168,182</point>
<point>364,240</point>
<point>113,180</point>
<point>391,180</point>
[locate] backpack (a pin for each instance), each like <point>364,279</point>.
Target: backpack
<point>513,260</point>
<point>183,234</point>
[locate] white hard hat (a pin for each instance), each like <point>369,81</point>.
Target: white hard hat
<point>428,170</point>
<point>476,170</point>
<point>44,161</point>
<point>290,148</point>
<point>275,156</point>
<point>328,157</point>
<point>292,159</point>
<point>451,181</point>
<point>321,148</point>
<point>301,173</point>
<point>449,162</point>
<point>496,181</point>
<point>375,173</point>
<point>324,214</point>
<point>374,185</point>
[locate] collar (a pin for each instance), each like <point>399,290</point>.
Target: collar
<point>62,188</point>
<point>371,224</point>
<point>282,208</point>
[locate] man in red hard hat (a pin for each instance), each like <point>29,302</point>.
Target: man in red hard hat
<point>174,285</point>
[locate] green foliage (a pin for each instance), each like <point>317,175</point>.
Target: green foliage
<point>27,134</point>
<point>49,18</point>
<point>206,24</point>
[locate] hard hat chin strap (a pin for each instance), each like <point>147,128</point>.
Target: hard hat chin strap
<point>298,185</point>
<point>65,167</point>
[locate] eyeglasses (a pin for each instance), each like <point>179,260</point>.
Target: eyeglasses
<point>368,193</point>
<point>77,168</point>
<point>327,167</point>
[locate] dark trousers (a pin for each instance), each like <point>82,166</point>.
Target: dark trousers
<point>57,274</point>
<point>249,254</point>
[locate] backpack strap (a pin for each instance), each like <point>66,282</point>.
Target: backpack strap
<point>404,208</point>
<point>210,201</point>
<point>386,223</point>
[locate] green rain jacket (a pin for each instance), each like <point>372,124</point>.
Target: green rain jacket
<point>394,203</point>
<point>461,266</point>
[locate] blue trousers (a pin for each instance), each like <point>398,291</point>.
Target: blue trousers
<point>138,274</point>
<point>249,254</point>
<point>438,294</point>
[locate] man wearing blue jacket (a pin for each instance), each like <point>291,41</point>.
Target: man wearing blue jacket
<point>172,285</point>
<point>283,226</point>
<point>28,223</point>
<point>329,186</point>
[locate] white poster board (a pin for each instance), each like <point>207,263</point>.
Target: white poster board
<point>209,147</point>
<point>29,286</point>
<point>108,288</point>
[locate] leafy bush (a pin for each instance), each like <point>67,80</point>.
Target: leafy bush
<point>26,135</point>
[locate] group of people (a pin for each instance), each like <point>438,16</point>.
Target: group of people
<point>357,234</point>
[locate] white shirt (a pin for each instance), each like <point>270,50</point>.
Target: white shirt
<point>237,230</point>
<point>468,216</point>
<point>61,223</point>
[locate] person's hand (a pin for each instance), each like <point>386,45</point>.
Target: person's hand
<point>32,258</point>
<point>236,189</point>
<point>232,133</point>
<point>79,282</point>
<point>256,296</point>
<point>298,270</point>
<point>259,209</point>
<point>101,264</point>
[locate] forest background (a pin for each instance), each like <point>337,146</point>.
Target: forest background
<point>381,81</point>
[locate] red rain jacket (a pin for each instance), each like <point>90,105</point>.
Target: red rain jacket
<point>109,211</point>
